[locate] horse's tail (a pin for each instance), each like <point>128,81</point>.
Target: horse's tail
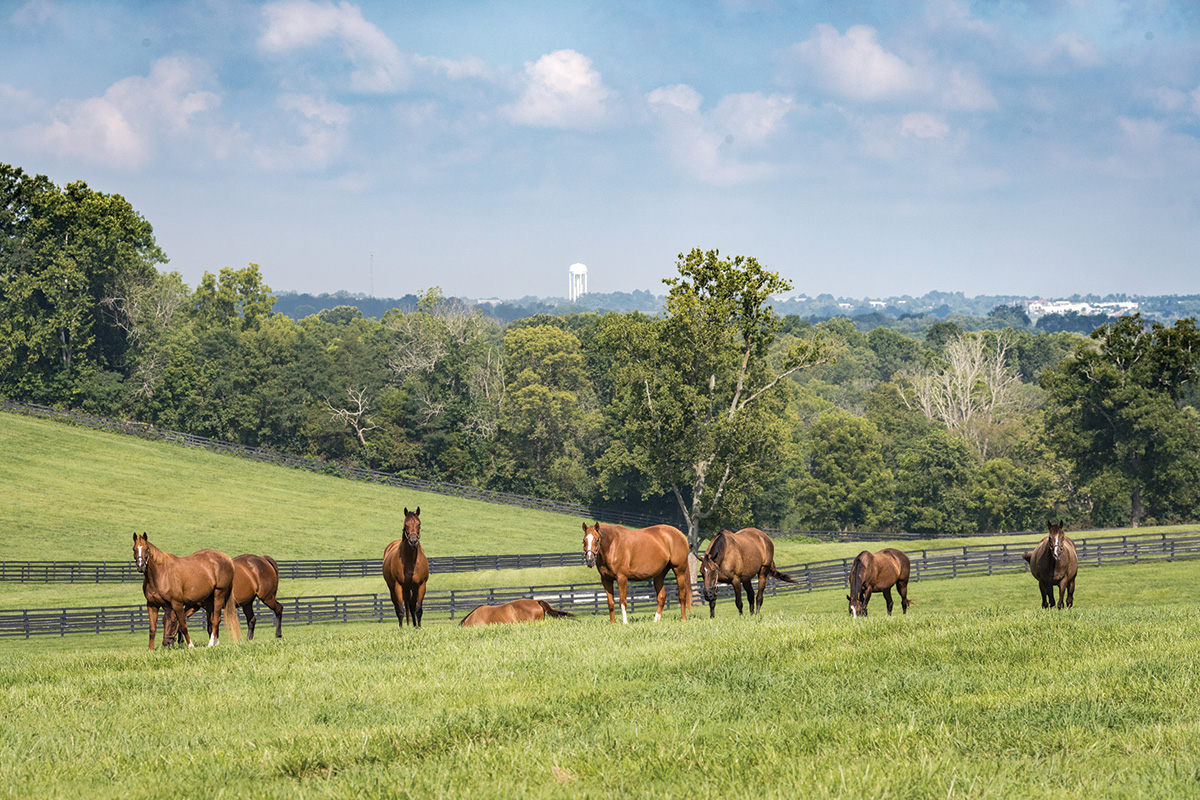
<point>1028,556</point>
<point>781,576</point>
<point>231,619</point>
<point>551,611</point>
<point>274,566</point>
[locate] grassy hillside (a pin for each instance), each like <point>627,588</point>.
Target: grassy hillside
<point>974,693</point>
<point>78,493</point>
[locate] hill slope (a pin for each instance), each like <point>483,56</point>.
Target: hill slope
<point>76,493</point>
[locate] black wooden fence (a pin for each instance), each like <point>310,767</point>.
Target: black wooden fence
<point>927,564</point>
<point>623,516</point>
<point>126,572</point>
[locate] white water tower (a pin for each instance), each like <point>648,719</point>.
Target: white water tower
<point>576,282</point>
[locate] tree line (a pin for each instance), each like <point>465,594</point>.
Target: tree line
<point>717,411</point>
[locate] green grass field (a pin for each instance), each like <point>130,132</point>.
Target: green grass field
<point>975,693</point>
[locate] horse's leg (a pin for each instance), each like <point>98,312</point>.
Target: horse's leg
<point>660,595</point>
<point>213,608</point>
<point>153,610</point>
<point>737,594</point>
<point>1047,594</point>
<point>181,618</point>
<point>866,598</point>
<point>420,604</point>
<point>608,593</point>
<point>397,602</point>
<point>623,588</point>
<point>748,585</point>
<point>1071,593</point>
<point>683,582</point>
<point>887,595</point>
<point>762,586</point>
<point>276,607</point>
<point>902,588</point>
<point>410,611</point>
<point>251,618</point>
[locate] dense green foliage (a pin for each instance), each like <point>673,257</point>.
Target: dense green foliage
<point>988,699</point>
<point>700,413</point>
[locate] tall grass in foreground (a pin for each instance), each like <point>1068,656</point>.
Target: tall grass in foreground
<point>987,703</point>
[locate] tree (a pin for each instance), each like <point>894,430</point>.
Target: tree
<point>848,487</point>
<point>1121,407</point>
<point>933,484</point>
<point>237,298</point>
<point>62,251</point>
<point>696,396</point>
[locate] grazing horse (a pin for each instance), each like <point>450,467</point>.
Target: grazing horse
<point>1054,563</point>
<point>878,572</point>
<point>253,577</point>
<point>622,554</point>
<point>406,570</point>
<point>524,610</point>
<point>735,558</point>
<point>184,583</point>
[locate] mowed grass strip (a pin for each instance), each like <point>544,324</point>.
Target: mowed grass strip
<point>981,702</point>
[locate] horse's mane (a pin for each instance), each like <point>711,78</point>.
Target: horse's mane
<point>717,548</point>
<point>858,574</point>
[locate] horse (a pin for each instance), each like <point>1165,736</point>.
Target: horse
<point>622,554</point>
<point>406,570</point>
<point>253,577</point>
<point>1054,563</point>
<point>523,610</point>
<point>878,572</point>
<point>181,583</point>
<point>735,558</point>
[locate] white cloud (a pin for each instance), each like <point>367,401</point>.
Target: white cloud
<point>379,66</point>
<point>924,126</point>
<point>854,65</point>
<point>562,90</point>
<point>713,146</point>
<point>463,69</point>
<point>1196,99</point>
<point>123,128</point>
<point>321,125</point>
<point>1077,49</point>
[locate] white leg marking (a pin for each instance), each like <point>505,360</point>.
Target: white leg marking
<point>657,616</point>
<point>190,645</point>
<point>212,640</point>
<point>624,616</point>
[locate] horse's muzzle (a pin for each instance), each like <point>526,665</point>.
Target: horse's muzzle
<point>589,559</point>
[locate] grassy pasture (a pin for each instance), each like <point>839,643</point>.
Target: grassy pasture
<point>975,693</point>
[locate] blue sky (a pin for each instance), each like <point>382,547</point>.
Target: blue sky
<point>864,149</point>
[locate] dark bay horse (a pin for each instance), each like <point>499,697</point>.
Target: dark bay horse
<point>623,554</point>
<point>406,570</point>
<point>735,558</point>
<point>872,572</point>
<point>185,583</point>
<point>253,577</point>
<point>1054,563</point>
<point>523,610</point>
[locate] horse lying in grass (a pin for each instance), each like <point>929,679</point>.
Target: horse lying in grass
<point>735,558</point>
<point>623,554</point>
<point>183,584</point>
<point>1054,563</point>
<point>873,572</point>
<point>523,610</point>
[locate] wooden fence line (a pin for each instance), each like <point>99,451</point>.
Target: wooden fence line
<point>927,564</point>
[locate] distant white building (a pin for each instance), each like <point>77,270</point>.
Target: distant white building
<point>576,282</point>
<point>1040,308</point>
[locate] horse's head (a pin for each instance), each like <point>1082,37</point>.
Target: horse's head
<point>1056,538</point>
<point>141,552</point>
<point>857,607</point>
<point>710,567</point>
<point>591,543</point>
<point>412,526</point>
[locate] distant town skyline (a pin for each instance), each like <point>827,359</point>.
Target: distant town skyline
<point>1033,147</point>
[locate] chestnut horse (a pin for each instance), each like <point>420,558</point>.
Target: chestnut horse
<point>524,610</point>
<point>253,577</point>
<point>182,583</point>
<point>735,558</point>
<point>623,554</point>
<point>880,571</point>
<point>1053,562</point>
<point>406,570</point>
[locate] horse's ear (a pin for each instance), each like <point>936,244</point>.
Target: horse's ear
<point>1060,523</point>
<point>406,511</point>
<point>135,537</point>
<point>585,527</point>
<point>417,513</point>
<point>851,599</point>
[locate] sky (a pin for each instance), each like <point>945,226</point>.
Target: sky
<point>864,148</point>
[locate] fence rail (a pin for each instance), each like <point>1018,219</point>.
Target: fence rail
<point>146,431</point>
<point>927,564</point>
<point>126,572</point>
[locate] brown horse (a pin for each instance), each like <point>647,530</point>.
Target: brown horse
<point>524,610</point>
<point>182,583</point>
<point>406,570</point>
<point>880,571</point>
<point>253,577</point>
<point>622,554</point>
<point>735,558</point>
<point>1054,563</point>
